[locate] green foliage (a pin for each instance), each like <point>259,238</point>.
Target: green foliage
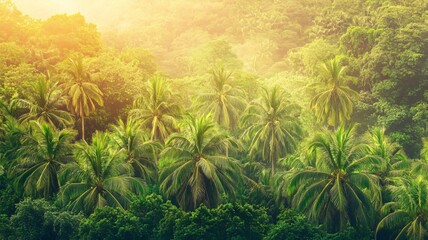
<point>211,54</point>
<point>140,58</point>
<point>227,221</point>
<point>44,103</point>
<point>39,219</point>
<point>271,129</point>
<point>65,224</point>
<point>306,58</point>
<point>389,158</point>
<point>360,61</point>
<point>358,40</point>
<point>15,80</point>
<point>120,79</point>
<point>293,226</point>
<point>82,93</point>
<point>110,224</point>
<point>99,177</point>
<point>11,54</point>
<point>331,24</point>
<point>351,233</point>
<point>406,214</point>
<point>44,150</point>
<point>9,196</point>
<point>424,152</point>
<point>141,153</point>
<point>5,229</point>
<point>156,216</point>
<point>11,134</point>
<point>223,100</point>
<point>201,169</point>
<point>71,33</point>
<point>395,67</point>
<point>157,109</point>
<point>340,188</point>
<point>29,220</point>
<point>333,102</point>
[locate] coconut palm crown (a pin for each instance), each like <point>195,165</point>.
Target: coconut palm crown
<point>201,169</point>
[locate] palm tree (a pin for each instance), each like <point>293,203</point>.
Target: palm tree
<point>83,94</point>
<point>43,152</point>
<point>11,135</point>
<point>409,210</point>
<point>11,132</point>
<point>8,110</point>
<point>157,110</point>
<point>339,189</point>
<point>301,159</point>
<point>44,103</point>
<point>201,169</point>
<point>333,103</point>
<point>100,177</point>
<point>390,161</point>
<point>140,152</point>
<point>270,126</point>
<point>223,100</point>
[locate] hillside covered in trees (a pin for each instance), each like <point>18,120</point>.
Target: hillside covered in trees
<point>186,119</point>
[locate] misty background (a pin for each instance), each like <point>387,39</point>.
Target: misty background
<point>255,36</point>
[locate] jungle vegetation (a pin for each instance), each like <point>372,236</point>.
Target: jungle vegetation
<point>274,119</point>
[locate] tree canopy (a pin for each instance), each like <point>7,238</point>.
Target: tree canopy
<point>185,119</point>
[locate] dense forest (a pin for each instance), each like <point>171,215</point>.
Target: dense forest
<point>186,119</point>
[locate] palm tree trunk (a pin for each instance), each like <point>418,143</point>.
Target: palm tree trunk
<point>83,127</point>
<point>272,161</point>
<point>82,117</point>
<point>271,152</point>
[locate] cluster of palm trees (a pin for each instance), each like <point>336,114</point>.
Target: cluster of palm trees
<point>341,178</point>
<point>46,98</point>
<point>336,177</point>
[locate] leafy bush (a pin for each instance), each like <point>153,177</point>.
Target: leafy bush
<point>110,223</point>
<point>9,197</point>
<point>156,216</point>
<point>6,229</point>
<point>292,225</point>
<point>39,219</point>
<point>65,224</point>
<point>228,221</point>
<point>29,220</point>
<point>351,233</point>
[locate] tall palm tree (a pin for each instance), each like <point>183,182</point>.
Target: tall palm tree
<point>334,101</point>
<point>201,169</point>
<point>157,109</point>
<point>224,100</point>
<point>409,211</point>
<point>43,152</point>
<point>141,153</point>
<point>100,177</point>
<point>270,127</point>
<point>339,189</point>
<point>83,94</point>
<point>44,103</point>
